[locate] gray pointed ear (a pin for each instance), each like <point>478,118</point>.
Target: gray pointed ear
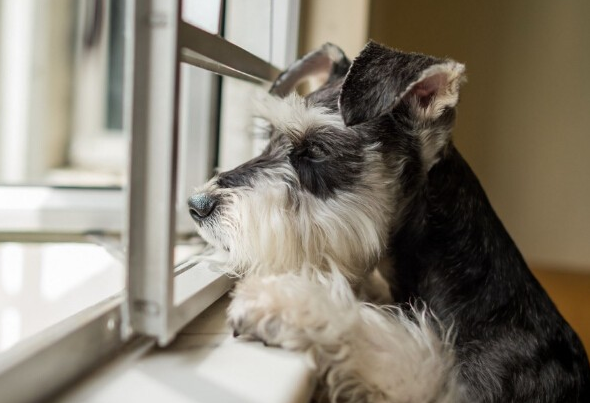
<point>328,63</point>
<point>380,79</point>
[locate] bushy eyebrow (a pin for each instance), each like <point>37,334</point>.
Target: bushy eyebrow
<point>293,116</point>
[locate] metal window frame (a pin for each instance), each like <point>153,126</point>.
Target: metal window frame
<point>162,41</point>
<point>32,359</point>
<point>148,306</point>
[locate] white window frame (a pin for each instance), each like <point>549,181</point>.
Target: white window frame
<point>160,298</point>
<point>161,45</point>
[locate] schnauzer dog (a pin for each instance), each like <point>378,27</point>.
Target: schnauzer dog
<point>360,179</point>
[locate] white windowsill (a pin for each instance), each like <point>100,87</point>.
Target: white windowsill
<point>204,364</point>
<point>43,284</point>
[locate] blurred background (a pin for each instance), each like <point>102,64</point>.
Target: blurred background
<point>524,116</point>
<point>61,93</point>
<point>523,121</point>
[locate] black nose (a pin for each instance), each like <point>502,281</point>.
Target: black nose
<point>201,206</point>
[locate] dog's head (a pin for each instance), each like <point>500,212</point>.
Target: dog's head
<point>336,173</point>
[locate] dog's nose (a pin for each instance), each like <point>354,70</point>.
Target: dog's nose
<point>201,206</point>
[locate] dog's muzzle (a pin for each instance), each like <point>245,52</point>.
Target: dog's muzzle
<point>201,206</point>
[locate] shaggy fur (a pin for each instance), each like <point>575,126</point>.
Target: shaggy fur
<point>362,175</point>
<point>318,313</point>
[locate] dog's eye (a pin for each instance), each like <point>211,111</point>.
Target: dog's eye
<point>315,153</point>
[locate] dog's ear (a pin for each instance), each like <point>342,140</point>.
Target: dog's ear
<point>380,79</point>
<point>327,63</point>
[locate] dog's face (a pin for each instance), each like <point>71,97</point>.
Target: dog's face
<point>316,193</point>
<point>330,185</point>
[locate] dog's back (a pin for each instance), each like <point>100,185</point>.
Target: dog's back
<point>454,253</point>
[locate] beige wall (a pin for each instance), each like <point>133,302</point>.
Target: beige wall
<point>524,117</point>
<point>342,22</point>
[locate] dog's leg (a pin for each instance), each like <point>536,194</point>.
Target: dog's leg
<point>366,354</point>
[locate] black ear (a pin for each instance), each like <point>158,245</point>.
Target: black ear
<point>380,78</point>
<point>328,63</point>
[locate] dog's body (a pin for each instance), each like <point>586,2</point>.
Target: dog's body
<point>455,255</point>
<point>363,174</point>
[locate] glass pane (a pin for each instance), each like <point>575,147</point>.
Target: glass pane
<point>198,117</point>
<point>61,92</point>
<point>238,141</point>
<point>248,25</point>
<point>63,160</point>
<point>203,14</point>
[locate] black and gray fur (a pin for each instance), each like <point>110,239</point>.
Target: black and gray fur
<point>438,240</point>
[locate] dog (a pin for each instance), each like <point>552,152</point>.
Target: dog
<point>360,186</point>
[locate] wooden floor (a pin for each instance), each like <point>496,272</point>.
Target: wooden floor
<point>571,293</point>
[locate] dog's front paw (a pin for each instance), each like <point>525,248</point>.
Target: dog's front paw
<point>263,309</point>
<point>253,313</point>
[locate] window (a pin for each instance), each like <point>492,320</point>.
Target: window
<point>111,114</point>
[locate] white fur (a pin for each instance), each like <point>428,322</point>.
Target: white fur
<point>365,353</point>
<point>292,116</point>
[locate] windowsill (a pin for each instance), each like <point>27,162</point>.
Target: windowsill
<point>81,177</point>
<point>204,364</point>
<point>43,284</point>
